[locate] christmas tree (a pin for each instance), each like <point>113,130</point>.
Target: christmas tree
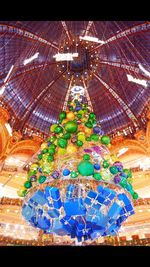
<point>76,187</point>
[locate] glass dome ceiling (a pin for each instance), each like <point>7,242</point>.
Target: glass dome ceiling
<point>115,71</point>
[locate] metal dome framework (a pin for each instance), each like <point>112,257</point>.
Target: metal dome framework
<point>36,92</point>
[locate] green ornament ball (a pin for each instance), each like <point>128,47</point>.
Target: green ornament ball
<point>45,150</point>
<point>105,140</point>
<point>94,137</point>
<point>62,142</point>
<point>88,125</point>
<point>71,126</point>
<point>27,184</point>
<point>59,121</point>
<point>74,174</point>
<point>97,176</point>
<point>88,139</point>
<point>67,135</point>
<point>113,169</point>
<point>85,168</point>
<point>135,195</point>
<point>94,122</point>
<point>41,179</point>
<point>51,151</point>
<point>53,138</point>
<point>62,115</point>
<point>24,192</point>
<point>123,183</point>
<point>105,164</point>
<point>79,116</point>
<point>86,157</point>
<point>50,158</point>
<point>79,143</point>
<point>58,130</point>
<point>90,121</point>
<point>52,146</point>
<point>40,156</point>
<point>92,115</point>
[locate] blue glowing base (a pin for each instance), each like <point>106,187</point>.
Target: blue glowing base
<point>82,210</point>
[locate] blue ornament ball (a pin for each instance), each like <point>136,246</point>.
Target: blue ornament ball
<point>101,132</point>
<point>96,129</point>
<point>117,179</point>
<point>40,169</point>
<point>55,174</point>
<point>123,175</point>
<point>78,108</point>
<point>49,143</point>
<point>97,166</point>
<point>33,178</point>
<point>66,172</point>
<point>129,187</point>
<point>119,168</point>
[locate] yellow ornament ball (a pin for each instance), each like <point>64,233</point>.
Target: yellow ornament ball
<point>55,142</point>
<point>81,137</point>
<point>88,131</point>
<point>64,121</point>
<point>61,151</point>
<point>52,128</point>
<point>81,112</point>
<point>107,157</point>
<point>19,192</point>
<point>46,168</point>
<point>43,145</point>
<point>52,165</point>
<point>84,120</point>
<point>114,158</point>
<point>44,158</point>
<point>81,132</point>
<point>34,166</point>
<point>106,175</point>
<point>70,116</point>
<point>71,149</point>
<point>71,104</point>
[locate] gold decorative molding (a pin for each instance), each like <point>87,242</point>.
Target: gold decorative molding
<point>141,143</point>
<point>23,146</point>
<point>14,144</point>
<point>4,139</point>
<point>37,138</point>
<point>148,114</point>
<point>11,201</point>
<point>4,115</point>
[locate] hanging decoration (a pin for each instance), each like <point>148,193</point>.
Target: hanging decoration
<point>77,187</point>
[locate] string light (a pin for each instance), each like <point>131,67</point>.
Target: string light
<point>91,39</point>
<point>135,80</point>
<point>29,60</point>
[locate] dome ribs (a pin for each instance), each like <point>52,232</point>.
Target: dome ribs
<point>20,124</point>
<point>121,103</point>
<point>132,30</point>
